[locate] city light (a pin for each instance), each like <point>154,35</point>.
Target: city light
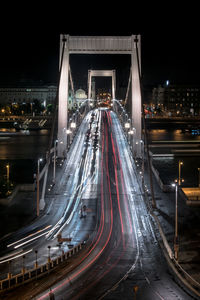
<point>127,125</point>
<point>73,125</point>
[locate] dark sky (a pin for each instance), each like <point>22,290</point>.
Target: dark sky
<point>30,38</point>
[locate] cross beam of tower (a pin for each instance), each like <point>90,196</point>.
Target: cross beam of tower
<point>99,45</point>
<point>103,73</point>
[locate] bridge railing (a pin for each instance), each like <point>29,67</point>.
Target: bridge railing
<point>126,122</point>
<point>74,122</point>
<point>27,275</point>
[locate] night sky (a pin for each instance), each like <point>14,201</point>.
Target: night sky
<point>30,40</point>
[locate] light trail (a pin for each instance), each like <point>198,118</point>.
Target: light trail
<point>100,234</point>
<point>31,240</point>
<point>17,256</point>
<point>28,236</point>
<point>10,255</point>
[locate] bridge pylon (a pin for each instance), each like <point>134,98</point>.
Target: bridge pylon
<point>100,45</point>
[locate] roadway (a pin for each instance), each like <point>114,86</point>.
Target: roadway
<point>125,246</point>
<point>121,239</point>
<point>62,214</point>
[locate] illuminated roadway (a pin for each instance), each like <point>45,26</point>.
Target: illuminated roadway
<point>63,213</point>
<point>121,241</point>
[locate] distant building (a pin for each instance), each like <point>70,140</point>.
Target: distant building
<point>44,94</point>
<point>177,99</point>
<point>27,94</point>
<point>103,95</point>
<point>80,96</point>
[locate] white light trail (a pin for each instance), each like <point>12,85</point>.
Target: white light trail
<point>14,257</point>
<point>33,239</point>
<point>32,234</point>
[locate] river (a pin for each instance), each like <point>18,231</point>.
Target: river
<point>21,151</point>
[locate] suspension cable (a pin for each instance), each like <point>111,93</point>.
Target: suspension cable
<point>127,92</point>
<point>56,103</point>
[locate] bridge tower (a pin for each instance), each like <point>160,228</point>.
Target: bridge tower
<point>99,45</point>
<point>102,73</point>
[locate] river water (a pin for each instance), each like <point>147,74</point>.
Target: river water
<point>168,147</point>
<point>21,151</point>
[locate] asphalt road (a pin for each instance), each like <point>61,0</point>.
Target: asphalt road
<point>62,214</point>
<point>124,259</point>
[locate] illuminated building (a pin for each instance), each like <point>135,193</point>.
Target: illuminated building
<point>177,99</point>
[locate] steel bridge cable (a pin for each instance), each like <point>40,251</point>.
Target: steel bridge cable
<point>56,104</point>
<point>127,92</point>
<point>144,124</point>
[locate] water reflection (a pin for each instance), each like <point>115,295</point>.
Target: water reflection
<point>171,135</point>
<point>167,166</point>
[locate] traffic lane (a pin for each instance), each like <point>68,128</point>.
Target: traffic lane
<point>56,212</point>
<point>99,243</point>
<point>151,276</point>
<point>105,188</point>
<point>118,255</point>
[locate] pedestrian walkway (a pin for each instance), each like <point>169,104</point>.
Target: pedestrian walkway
<point>188,227</point>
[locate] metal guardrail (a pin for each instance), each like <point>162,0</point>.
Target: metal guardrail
<point>38,271</point>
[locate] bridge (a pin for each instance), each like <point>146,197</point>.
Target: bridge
<point>99,45</point>
<point>94,224</point>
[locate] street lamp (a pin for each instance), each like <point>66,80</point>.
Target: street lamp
<point>8,173</point>
<point>68,132</point>
<point>73,125</point>
<point>36,262</point>
<point>49,258</point>
<point>38,186</point>
<point>176,243</point>
<point>23,266</point>
<point>54,161</point>
<point>199,177</point>
<point>142,144</point>
<point>180,163</point>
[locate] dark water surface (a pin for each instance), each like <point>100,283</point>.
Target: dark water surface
<point>21,152</point>
<point>167,166</point>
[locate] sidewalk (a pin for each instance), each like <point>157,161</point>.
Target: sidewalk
<point>21,211</point>
<point>188,227</point>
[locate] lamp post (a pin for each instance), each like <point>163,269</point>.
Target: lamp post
<point>142,144</point>
<point>36,262</point>
<point>176,243</point>
<point>180,163</point>
<point>23,266</point>
<point>127,126</point>
<point>130,133</point>
<point>54,162</point>
<point>49,258</point>
<point>68,132</point>
<point>199,177</point>
<point>38,186</point>
<point>8,173</point>
<point>177,184</point>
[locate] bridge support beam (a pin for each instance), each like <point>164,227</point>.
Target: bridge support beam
<point>136,94</point>
<point>100,45</point>
<point>63,96</point>
<point>102,73</point>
